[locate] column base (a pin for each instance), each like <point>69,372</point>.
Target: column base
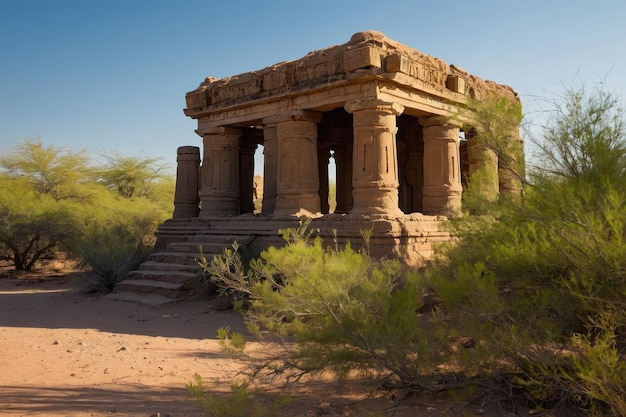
<point>184,211</point>
<point>298,205</point>
<point>225,206</point>
<point>368,201</point>
<point>441,201</point>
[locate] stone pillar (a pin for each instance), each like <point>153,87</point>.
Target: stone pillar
<point>246,176</point>
<point>220,172</point>
<point>297,188</point>
<point>270,162</point>
<point>442,177</point>
<point>323,158</point>
<point>509,173</point>
<point>484,162</point>
<point>343,164</point>
<point>375,163</point>
<point>186,197</point>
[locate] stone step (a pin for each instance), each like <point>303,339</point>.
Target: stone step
<point>153,265</point>
<point>225,239</point>
<point>143,298</point>
<point>184,258</point>
<point>171,290</point>
<point>199,247</point>
<point>165,276</point>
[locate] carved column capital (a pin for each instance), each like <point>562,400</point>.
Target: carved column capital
<point>374,104</point>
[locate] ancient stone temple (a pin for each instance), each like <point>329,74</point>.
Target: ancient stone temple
<point>381,110</point>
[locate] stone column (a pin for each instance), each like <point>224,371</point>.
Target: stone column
<point>509,172</point>
<point>220,172</point>
<point>246,176</point>
<point>343,164</point>
<point>297,188</point>
<point>186,197</point>
<point>323,158</point>
<point>270,160</point>
<point>375,163</point>
<point>484,162</point>
<point>442,176</point>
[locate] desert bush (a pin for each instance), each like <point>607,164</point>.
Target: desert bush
<point>118,235</point>
<point>244,401</point>
<point>558,261</point>
<point>532,294</point>
<point>345,311</point>
<point>54,201</point>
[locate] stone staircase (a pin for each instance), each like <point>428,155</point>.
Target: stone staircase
<point>174,274</point>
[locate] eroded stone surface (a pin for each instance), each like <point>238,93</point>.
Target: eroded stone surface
<point>388,116</point>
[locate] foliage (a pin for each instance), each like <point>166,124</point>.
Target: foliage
<point>33,226</point>
<point>117,237</point>
<point>493,119</point>
<point>51,202</point>
<point>558,261</point>
<point>532,295</point>
<point>345,311</point>
<point>243,402</point>
<point>131,176</point>
<point>54,171</point>
<point>228,273</point>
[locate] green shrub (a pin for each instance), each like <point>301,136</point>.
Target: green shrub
<point>558,263</point>
<point>117,238</point>
<point>243,402</point>
<point>532,295</point>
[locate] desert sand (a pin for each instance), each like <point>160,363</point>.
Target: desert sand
<point>67,353</point>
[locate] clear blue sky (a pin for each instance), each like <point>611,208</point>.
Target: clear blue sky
<point>111,75</point>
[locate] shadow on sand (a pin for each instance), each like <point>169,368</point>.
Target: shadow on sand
<point>61,302</point>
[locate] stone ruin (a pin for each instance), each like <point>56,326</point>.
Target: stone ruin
<point>383,111</point>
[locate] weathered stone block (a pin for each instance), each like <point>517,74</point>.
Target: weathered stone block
<point>361,58</point>
<point>456,84</point>
<point>397,63</point>
<point>273,80</point>
<point>196,99</point>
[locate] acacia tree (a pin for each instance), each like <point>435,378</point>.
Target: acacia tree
<point>132,176</point>
<point>33,226</point>
<point>55,171</point>
<point>41,185</point>
<point>52,200</point>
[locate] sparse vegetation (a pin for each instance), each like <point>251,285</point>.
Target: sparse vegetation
<point>54,202</point>
<point>244,401</point>
<point>529,302</point>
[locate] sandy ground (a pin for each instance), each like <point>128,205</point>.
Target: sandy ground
<point>64,352</point>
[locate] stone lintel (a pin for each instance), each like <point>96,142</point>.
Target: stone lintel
<point>374,104</point>
<point>294,115</point>
<point>219,131</point>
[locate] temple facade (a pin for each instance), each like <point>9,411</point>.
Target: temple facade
<point>387,115</point>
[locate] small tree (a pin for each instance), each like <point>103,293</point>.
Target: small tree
<point>54,171</point>
<point>558,260</point>
<point>132,176</point>
<point>33,226</point>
